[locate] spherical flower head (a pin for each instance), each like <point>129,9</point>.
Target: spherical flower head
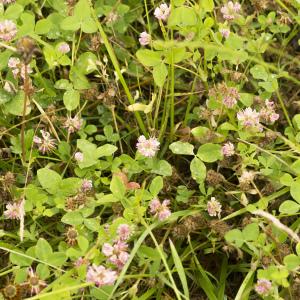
<point>13,62</point>
<point>8,30</point>
<point>147,147</point>
<point>64,48</point>
<point>263,287</point>
<point>160,210</point>
<point>100,275</point>
<point>228,149</point>
<point>46,143</point>
<point>78,156</point>
<point>268,114</point>
<point>249,118</point>
<point>7,1</point>
<point>214,207</point>
<point>107,249</point>
<point>73,124</point>
<point>246,177</point>
<point>86,185</point>
<point>162,12</point>
<point>35,284</point>
<point>145,38</point>
<point>124,232</point>
<point>13,211</point>
<point>230,10</point>
<point>229,101</point>
<point>225,32</point>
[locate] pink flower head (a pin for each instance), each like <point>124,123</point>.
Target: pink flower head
<point>268,114</point>
<point>230,10</point>
<point>231,97</point>
<point>46,143</point>
<point>145,38</point>
<point>117,253</point>
<point>18,68</point>
<point>100,275</point>
<point>7,1</point>
<point>160,210</point>
<point>225,32</point>
<point>147,148</point>
<point>73,124</point>
<point>124,232</point>
<point>13,211</point>
<point>8,30</point>
<point>162,12</point>
<point>263,287</point>
<point>35,284</point>
<point>246,177</point>
<point>86,185</point>
<point>228,149</point>
<point>64,48</point>
<point>214,208</point>
<point>249,118</point>
<point>78,156</point>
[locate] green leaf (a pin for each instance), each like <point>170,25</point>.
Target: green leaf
<point>83,243</point>
<point>183,148</point>
<point>295,190</point>
<point>182,16</point>
<point>207,5</point>
<point>160,73</point>
<point>106,150</point>
<point>180,270</point>
<point>251,232</point>
<point>259,72</point>
<point>198,170</point>
<point>235,236</point>
<point>49,180</point>
<point>246,99</point>
<point>13,11</point>
<point>86,63</point>
<point>289,207</point>
<point>19,260</point>
<point>43,250</point>
<point>199,131</point>
<point>292,261</point>
<point>43,26</point>
<point>92,224</point>
<point>286,179</point>
<point>57,259</point>
<point>210,152</point>
<point>117,187</point>
<point>4,97</point>
<point>69,186</point>
<point>71,99</point>
<point>71,23</point>
<point>148,57</point>
<point>162,167</point>
<point>156,186</point>
<point>72,218</point>
<point>16,105</point>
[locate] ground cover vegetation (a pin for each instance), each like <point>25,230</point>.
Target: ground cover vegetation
<point>149,150</point>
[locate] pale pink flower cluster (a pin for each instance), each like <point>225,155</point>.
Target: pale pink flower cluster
<point>8,30</point>
<point>13,210</point>
<point>117,253</point>
<point>214,207</point>
<point>268,114</point>
<point>263,287</point>
<point>46,143</point>
<point>228,149</point>
<point>249,119</point>
<point>225,32</point>
<point>86,185</point>
<point>78,156</point>
<point>230,10</point>
<point>64,48</point>
<point>162,12</point>
<point>73,124</point>
<point>145,38</point>
<point>231,97</point>
<point>160,210</point>
<point>124,232</point>
<point>147,147</point>
<point>100,275</point>
<point>246,177</point>
<point>7,1</point>
<point>18,68</point>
